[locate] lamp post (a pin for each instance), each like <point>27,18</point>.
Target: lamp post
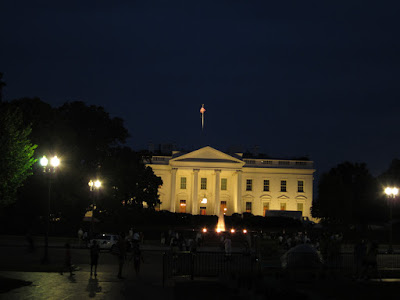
<point>391,193</point>
<point>96,185</point>
<point>49,169</point>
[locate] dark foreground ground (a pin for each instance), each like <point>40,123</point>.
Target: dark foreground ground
<point>22,276</point>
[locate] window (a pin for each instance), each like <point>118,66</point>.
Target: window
<point>183,183</point>
<point>224,184</point>
<point>223,207</point>
<point>265,207</point>
<point>300,207</point>
<point>283,206</point>
<point>249,185</point>
<point>202,210</point>
<point>248,207</point>
<point>182,206</point>
<point>283,185</point>
<point>203,183</point>
<point>266,186</point>
<point>300,186</point>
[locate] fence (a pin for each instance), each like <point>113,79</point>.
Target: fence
<point>345,263</point>
<point>207,264</point>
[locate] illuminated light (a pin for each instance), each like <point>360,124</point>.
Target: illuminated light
<point>44,161</point>
<point>55,161</point>
<point>225,209</point>
<point>391,191</point>
<point>244,231</point>
<point>204,229</point>
<point>97,183</point>
<point>183,204</point>
<point>204,200</point>
<point>388,191</point>
<point>232,230</point>
<point>90,183</point>
<point>218,230</point>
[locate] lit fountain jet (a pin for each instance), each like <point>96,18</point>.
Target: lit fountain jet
<point>221,222</point>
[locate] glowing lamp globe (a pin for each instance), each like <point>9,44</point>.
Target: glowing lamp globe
<point>55,161</point>
<point>44,161</point>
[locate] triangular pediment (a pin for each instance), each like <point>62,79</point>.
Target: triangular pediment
<point>207,155</point>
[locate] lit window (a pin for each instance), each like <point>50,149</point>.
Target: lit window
<point>265,207</point>
<point>202,211</point>
<point>283,206</point>
<point>266,185</point>
<point>248,207</point>
<point>300,186</point>
<point>183,183</point>
<point>203,183</point>
<point>182,206</point>
<point>300,207</point>
<point>223,207</point>
<point>283,185</point>
<point>224,184</point>
<point>249,185</point>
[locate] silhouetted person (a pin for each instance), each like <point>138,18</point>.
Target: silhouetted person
<point>137,259</point>
<point>80,237</point>
<point>228,248</point>
<point>67,260</point>
<point>29,239</point>
<point>371,261</point>
<point>360,252</point>
<point>121,246</point>
<point>94,257</point>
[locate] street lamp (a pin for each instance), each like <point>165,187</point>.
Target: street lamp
<point>96,184</point>
<point>49,169</point>
<point>391,193</point>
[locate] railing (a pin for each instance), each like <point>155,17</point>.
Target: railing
<point>206,264</point>
<point>272,163</point>
<point>345,263</point>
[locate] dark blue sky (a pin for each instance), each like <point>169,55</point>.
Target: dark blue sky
<point>296,78</point>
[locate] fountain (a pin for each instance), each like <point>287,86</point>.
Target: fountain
<point>221,222</point>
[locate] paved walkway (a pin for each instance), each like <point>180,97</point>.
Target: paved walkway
<point>52,285</point>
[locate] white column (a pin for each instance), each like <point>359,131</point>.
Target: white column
<point>217,204</point>
<point>195,192</point>
<point>239,192</point>
<point>173,187</point>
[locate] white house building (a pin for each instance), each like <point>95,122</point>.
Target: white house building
<point>208,181</point>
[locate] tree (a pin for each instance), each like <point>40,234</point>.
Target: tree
<point>129,180</point>
<point>147,188</point>
<point>347,194</point>
<point>2,84</point>
<point>16,153</point>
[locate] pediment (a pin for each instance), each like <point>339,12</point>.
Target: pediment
<point>283,197</point>
<point>301,197</point>
<point>207,155</point>
<point>266,197</point>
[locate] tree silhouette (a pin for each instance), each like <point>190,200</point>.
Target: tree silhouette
<point>16,153</point>
<point>347,194</point>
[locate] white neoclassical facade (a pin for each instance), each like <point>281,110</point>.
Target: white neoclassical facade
<point>208,181</point>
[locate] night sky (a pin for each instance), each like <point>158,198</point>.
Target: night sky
<point>293,77</point>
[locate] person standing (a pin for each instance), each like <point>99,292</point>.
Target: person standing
<point>228,248</point>
<point>94,257</point>
<point>80,237</point>
<point>137,259</point>
<point>68,260</point>
<point>121,246</point>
